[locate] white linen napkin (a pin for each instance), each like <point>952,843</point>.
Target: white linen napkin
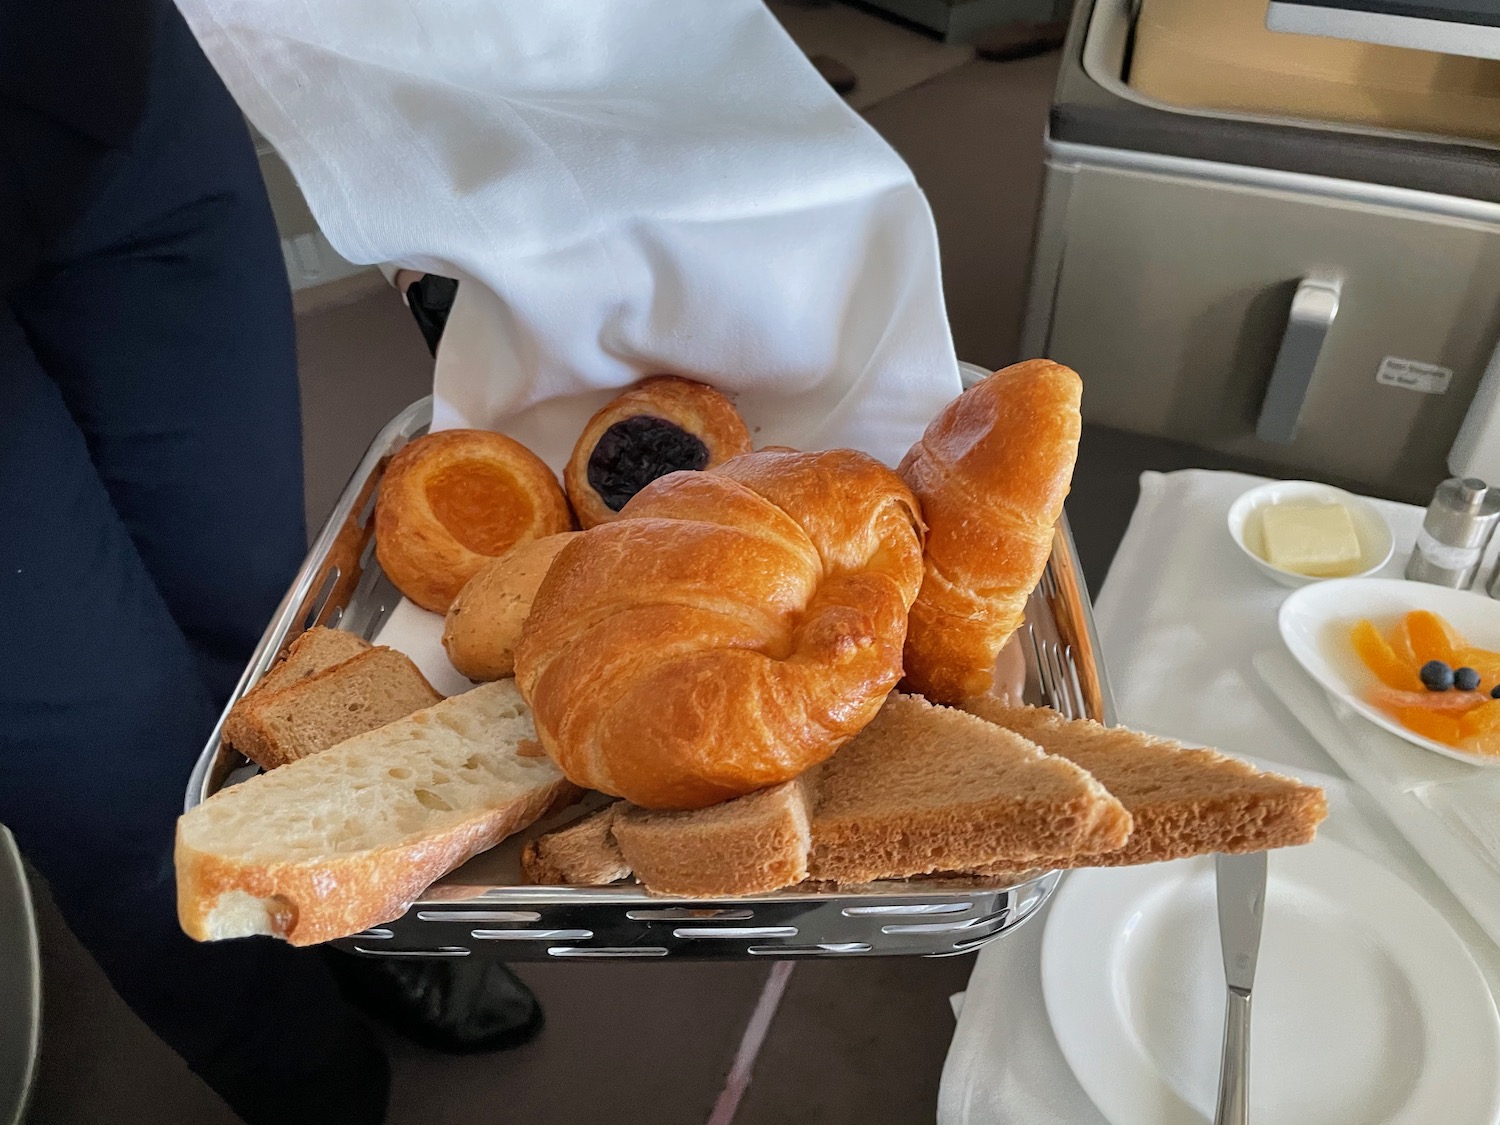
<point>1183,612</point>
<point>621,190</point>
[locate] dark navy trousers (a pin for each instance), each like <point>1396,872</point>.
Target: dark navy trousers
<point>150,520</point>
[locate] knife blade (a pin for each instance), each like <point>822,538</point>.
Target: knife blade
<point>1241,882</point>
<point>1241,886</point>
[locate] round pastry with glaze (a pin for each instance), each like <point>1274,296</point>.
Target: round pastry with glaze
<point>662,425</point>
<point>452,501</point>
<point>731,630</point>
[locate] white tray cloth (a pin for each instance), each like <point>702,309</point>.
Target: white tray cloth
<point>621,189</point>
<point>1181,618</point>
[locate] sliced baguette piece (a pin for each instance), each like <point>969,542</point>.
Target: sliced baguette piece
<point>1184,801</point>
<point>924,789</point>
<point>316,649</point>
<point>318,711</point>
<point>748,845</point>
<point>347,839</point>
<point>581,854</point>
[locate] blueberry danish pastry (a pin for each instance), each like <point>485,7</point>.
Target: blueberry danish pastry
<point>659,426</point>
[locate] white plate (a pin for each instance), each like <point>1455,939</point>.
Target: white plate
<point>1315,624</point>
<point>1368,1008</point>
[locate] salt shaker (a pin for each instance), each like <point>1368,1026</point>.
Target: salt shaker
<point>1455,532</point>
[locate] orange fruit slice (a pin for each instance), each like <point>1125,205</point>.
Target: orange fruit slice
<point>1453,703</point>
<point>1400,640</point>
<point>1381,659</point>
<point>1484,719</point>
<point>1432,638</point>
<point>1439,727</point>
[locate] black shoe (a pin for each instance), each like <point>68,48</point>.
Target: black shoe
<point>458,1005</point>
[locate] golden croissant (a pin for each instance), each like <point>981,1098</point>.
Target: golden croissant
<point>991,473</point>
<point>732,629</point>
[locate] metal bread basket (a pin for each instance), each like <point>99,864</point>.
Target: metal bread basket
<point>484,908</point>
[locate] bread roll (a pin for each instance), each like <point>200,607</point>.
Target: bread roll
<point>453,500</point>
<point>732,629</point>
<point>662,425</point>
<point>991,472</point>
<point>484,622</point>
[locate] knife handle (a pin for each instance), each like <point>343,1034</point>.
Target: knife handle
<point>1234,1068</point>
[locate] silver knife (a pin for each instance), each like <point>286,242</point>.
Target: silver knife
<point>1241,882</point>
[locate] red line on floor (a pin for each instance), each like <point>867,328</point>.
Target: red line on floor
<point>750,1044</point>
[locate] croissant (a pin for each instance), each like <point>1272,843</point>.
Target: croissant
<point>991,472</point>
<point>732,629</point>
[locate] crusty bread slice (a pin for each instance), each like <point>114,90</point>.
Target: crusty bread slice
<point>330,845</point>
<point>1184,801</point>
<point>583,853</point>
<point>316,649</point>
<point>322,710</point>
<point>925,789</point>
<point>748,845</point>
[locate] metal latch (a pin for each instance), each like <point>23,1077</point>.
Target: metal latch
<point>1314,306</point>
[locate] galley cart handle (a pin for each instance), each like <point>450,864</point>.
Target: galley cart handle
<point>1314,306</point>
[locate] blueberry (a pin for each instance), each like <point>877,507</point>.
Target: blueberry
<point>1465,679</point>
<point>1436,676</point>
<point>1495,692</point>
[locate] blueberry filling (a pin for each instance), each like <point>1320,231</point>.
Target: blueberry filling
<point>635,451</point>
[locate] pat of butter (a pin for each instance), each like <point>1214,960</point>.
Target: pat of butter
<point>1316,540</point>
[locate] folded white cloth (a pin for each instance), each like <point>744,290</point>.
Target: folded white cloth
<point>621,190</point>
<point>1182,617</point>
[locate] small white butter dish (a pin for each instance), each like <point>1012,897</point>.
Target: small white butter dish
<point>1376,542</point>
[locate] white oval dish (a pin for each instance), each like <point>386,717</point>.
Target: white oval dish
<point>1368,1008</point>
<point>1315,623</point>
<point>1375,539</point>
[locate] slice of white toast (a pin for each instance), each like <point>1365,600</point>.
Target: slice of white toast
<point>332,844</point>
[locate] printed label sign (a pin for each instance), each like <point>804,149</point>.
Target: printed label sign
<point>1428,378</point>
